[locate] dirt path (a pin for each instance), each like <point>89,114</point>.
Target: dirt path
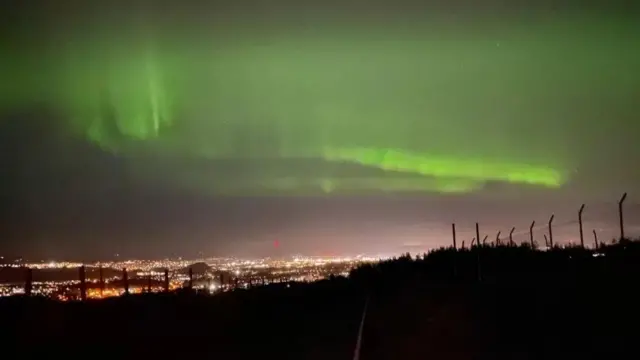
<point>414,325</point>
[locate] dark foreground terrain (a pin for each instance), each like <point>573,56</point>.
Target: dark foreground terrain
<point>487,303</point>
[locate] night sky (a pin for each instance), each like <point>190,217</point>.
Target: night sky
<point>164,128</point>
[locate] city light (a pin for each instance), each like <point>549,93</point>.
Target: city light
<point>213,275</point>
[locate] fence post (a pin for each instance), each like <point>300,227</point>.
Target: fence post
<point>551,230</point>
<point>621,214</point>
<point>453,231</point>
<point>101,283</point>
<point>83,283</point>
<point>546,240</point>
<point>455,250</point>
<point>28,284</point>
<point>125,281</point>
<point>580,224</point>
<point>531,234</point>
<point>511,236</point>
<point>166,280</point>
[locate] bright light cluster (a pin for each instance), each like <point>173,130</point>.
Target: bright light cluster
<point>148,275</point>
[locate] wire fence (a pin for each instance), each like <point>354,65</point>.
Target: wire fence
<point>590,228</point>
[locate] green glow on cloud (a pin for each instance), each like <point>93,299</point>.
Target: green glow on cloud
<point>443,167</point>
<point>427,100</point>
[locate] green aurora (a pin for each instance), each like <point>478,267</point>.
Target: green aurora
<point>436,102</point>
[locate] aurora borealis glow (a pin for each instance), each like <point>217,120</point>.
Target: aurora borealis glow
<point>462,104</point>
